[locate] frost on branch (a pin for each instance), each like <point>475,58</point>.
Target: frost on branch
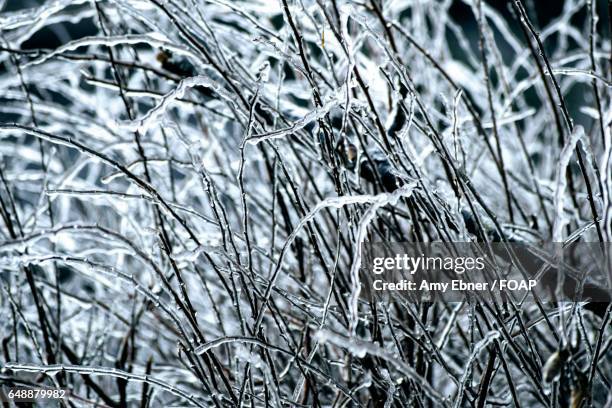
<point>185,186</point>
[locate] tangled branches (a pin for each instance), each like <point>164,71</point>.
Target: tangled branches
<point>186,186</point>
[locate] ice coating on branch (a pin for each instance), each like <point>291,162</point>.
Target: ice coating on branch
<point>185,187</point>
<point>560,184</point>
<point>333,101</point>
<point>153,116</point>
<point>376,202</point>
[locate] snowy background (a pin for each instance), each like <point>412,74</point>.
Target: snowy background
<point>185,185</point>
